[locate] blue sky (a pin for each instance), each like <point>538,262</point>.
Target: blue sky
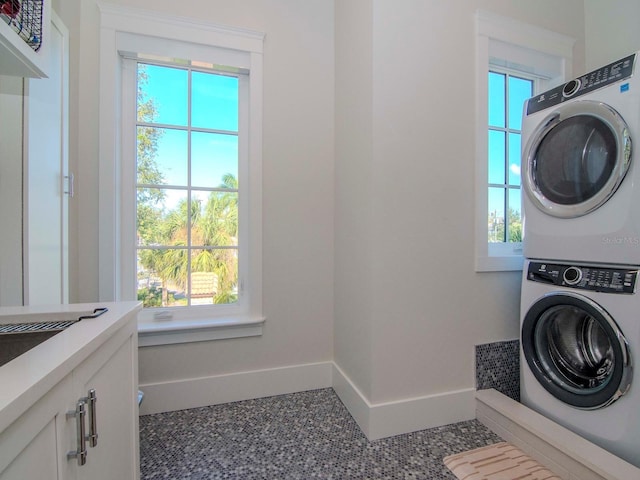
<point>503,115</point>
<point>213,107</point>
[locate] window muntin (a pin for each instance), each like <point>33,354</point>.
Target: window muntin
<point>187,186</point>
<point>507,92</point>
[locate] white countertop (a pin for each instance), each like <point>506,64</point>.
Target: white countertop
<point>27,378</point>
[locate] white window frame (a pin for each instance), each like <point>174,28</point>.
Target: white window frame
<point>519,47</point>
<point>128,33</point>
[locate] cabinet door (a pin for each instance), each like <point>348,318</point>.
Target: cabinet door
<point>110,372</point>
<point>47,178</point>
<point>29,447</point>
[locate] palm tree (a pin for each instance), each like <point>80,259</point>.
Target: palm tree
<point>220,228</point>
<point>214,227</point>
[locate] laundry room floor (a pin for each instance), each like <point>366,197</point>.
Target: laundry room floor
<point>306,435</point>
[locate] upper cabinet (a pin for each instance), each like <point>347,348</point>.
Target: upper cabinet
<point>24,37</point>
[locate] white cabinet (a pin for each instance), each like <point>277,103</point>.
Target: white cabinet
<point>37,444</point>
<point>110,371</point>
<point>29,447</point>
<point>17,57</point>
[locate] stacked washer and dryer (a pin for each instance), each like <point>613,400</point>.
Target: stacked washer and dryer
<point>580,302</point>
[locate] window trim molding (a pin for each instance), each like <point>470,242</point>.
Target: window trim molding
<point>490,28</point>
<point>117,22</point>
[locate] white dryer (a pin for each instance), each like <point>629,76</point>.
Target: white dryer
<point>580,334</point>
<point>579,173</point>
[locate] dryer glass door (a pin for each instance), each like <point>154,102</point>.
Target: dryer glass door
<point>576,350</point>
<point>576,159</point>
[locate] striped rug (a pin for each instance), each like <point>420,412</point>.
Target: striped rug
<point>501,461</point>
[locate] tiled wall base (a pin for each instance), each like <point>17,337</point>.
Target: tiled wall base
<point>498,367</point>
<point>563,452</point>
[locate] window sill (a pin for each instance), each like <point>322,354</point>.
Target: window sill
<point>507,263</point>
<point>152,333</point>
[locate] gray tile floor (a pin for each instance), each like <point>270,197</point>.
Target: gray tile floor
<point>307,435</point>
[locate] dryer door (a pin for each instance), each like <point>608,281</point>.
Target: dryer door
<point>576,158</point>
<point>576,350</point>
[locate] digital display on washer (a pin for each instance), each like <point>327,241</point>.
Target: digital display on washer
<point>599,279</point>
<point>601,77</point>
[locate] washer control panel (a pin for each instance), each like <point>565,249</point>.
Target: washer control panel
<point>599,78</point>
<point>598,279</point>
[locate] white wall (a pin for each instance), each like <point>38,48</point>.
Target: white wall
<point>407,295</point>
<point>297,183</point>
<point>611,31</point>
<point>354,216</point>
<point>409,306</point>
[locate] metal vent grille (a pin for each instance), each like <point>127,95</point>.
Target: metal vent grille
<point>36,327</point>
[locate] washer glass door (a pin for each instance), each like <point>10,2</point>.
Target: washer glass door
<point>576,158</point>
<point>576,350</point>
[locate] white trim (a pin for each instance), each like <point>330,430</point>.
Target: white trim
<point>506,263</point>
<point>419,413</point>
<point>353,399</point>
<point>121,28</point>
<point>234,387</point>
<point>524,35</point>
<point>376,421</point>
<point>406,415</point>
<point>146,22</point>
<point>200,330</point>
<point>551,53</point>
<point>554,446</point>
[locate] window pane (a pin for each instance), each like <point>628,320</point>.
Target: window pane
<point>214,160</point>
<point>214,279</point>
<point>497,153</point>
<point>175,219</point>
<point>514,158</point>
<point>214,102</point>
<point>496,214</point>
<point>162,156</point>
<point>162,95</point>
<point>217,222</point>
<point>149,216</point>
<point>187,192</point>
<point>496,99</point>
<point>204,285</point>
<point>162,277</point>
<point>520,90</point>
<point>515,215</point>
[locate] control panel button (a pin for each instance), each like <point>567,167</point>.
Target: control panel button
<point>571,88</point>
<point>572,275</point>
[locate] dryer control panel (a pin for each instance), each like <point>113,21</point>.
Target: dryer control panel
<point>598,279</point>
<point>599,78</point>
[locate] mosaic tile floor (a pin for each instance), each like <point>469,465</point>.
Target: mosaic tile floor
<point>307,435</point>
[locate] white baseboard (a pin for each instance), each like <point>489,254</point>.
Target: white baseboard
<point>375,420</point>
<point>353,399</point>
<point>234,387</point>
<point>403,416</point>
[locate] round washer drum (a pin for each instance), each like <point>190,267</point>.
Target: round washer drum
<point>576,350</point>
<point>576,158</point>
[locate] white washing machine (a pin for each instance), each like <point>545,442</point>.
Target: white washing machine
<point>580,172</point>
<point>580,335</point>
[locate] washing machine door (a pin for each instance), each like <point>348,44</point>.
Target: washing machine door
<point>576,158</point>
<point>576,350</point>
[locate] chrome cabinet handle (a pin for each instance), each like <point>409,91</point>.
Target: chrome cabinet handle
<point>92,399</point>
<point>70,190</point>
<point>79,414</point>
